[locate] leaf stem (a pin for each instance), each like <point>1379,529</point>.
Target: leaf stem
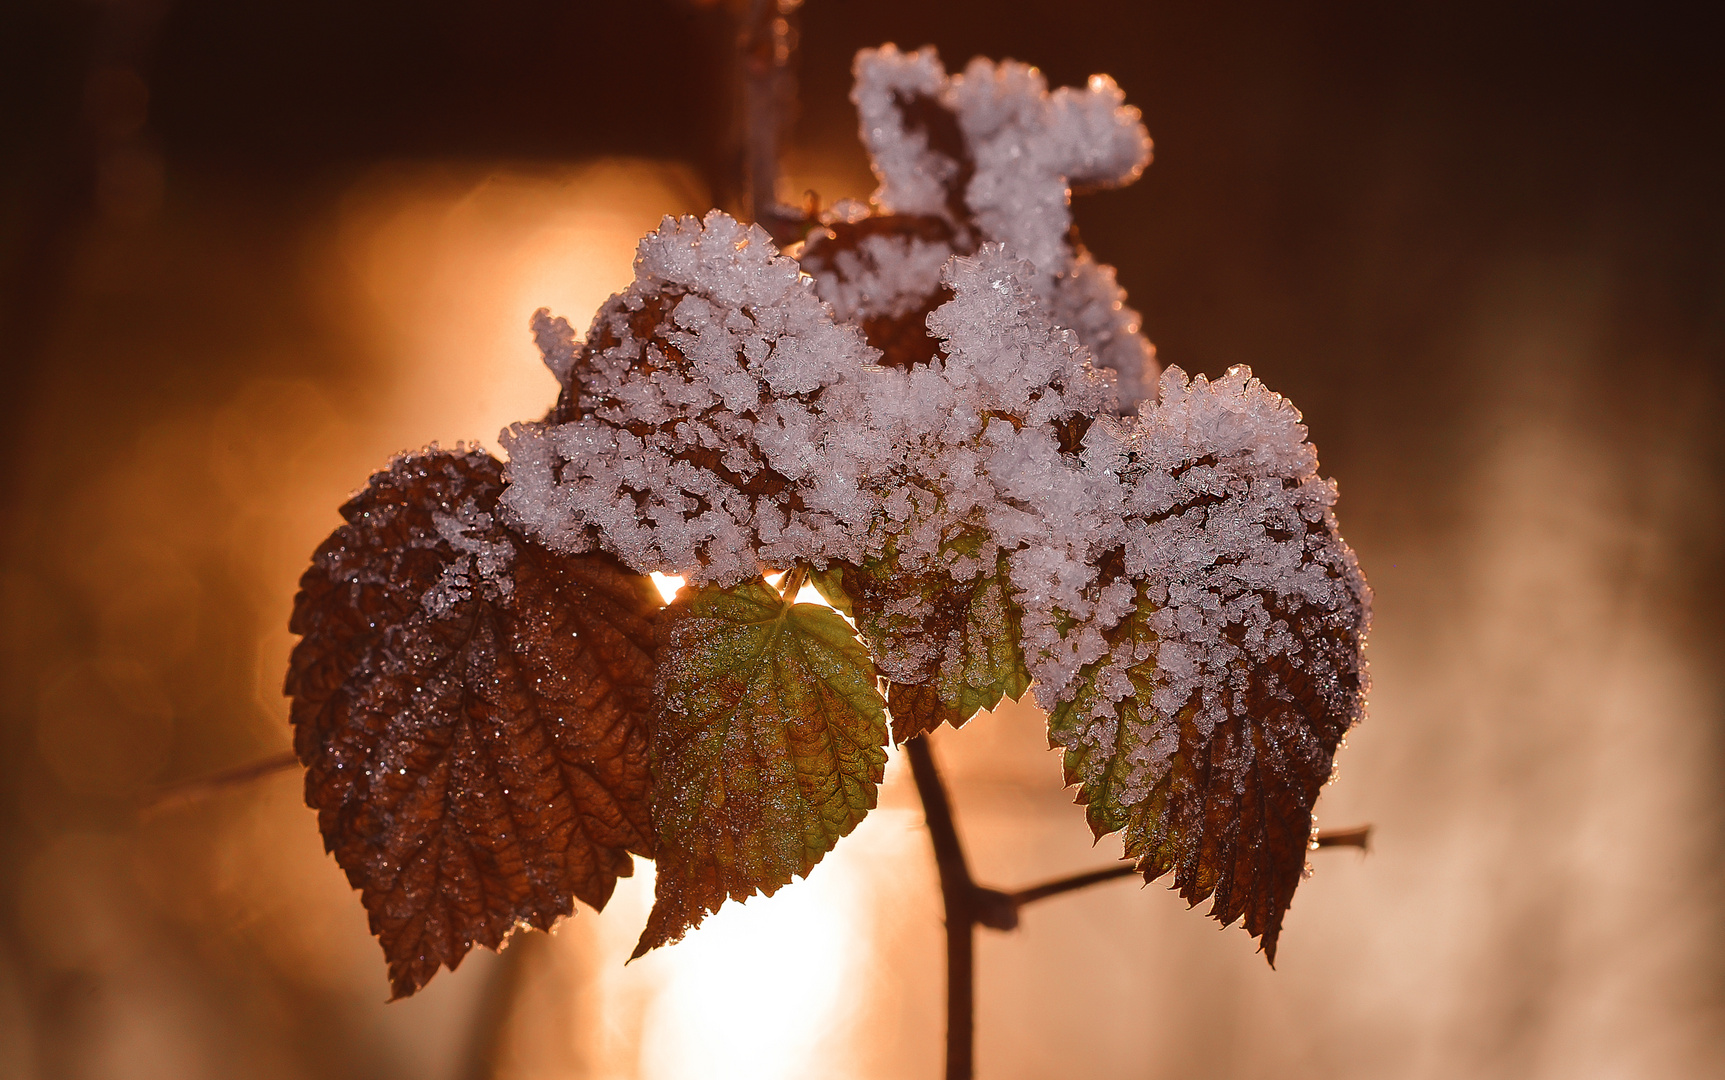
<point>792,583</point>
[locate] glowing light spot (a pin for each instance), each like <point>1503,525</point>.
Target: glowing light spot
<point>755,992</point>
<point>668,584</point>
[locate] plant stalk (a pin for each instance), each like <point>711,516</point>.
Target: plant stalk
<point>958,895</point>
<point>767,85</point>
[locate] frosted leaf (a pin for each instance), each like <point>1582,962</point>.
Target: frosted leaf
<point>478,761</point>
<point>688,419</point>
<point>1229,661</point>
<point>990,155</point>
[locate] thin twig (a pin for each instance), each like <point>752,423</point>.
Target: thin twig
<point>1067,884</point>
<point>187,792</point>
<point>1354,837</point>
<point>1359,836</point>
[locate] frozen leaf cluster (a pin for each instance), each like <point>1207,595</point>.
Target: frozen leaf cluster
<point>938,408</point>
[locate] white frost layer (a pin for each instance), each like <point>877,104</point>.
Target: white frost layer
<point>1087,299</point>
<point>913,178</point>
<point>884,276</point>
<point>1028,148</point>
<point>479,564</point>
<point>687,436</point>
<point>1231,529</point>
<point>746,427</point>
<point>729,423</point>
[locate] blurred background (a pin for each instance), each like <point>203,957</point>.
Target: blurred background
<point>248,251</point>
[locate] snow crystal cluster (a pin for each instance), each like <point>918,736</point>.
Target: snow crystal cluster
<point>480,563</point>
<point>995,156</point>
<point>734,409</point>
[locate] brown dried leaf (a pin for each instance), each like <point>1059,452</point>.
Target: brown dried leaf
<point>471,710</point>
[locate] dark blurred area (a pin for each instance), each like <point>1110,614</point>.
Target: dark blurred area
<point>247,251</point>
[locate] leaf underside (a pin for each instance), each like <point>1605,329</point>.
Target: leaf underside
<point>475,763</point>
<point>767,748</point>
<point>1231,813</point>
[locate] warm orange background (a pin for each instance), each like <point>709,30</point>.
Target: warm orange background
<point>252,250</point>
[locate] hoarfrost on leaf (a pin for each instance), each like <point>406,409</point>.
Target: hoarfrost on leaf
<point>989,154</point>
<point>1208,721</point>
<point>476,753</point>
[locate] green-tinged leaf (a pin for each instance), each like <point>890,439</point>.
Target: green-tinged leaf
<point>1226,806</point>
<point>830,583</point>
<point>768,745</point>
<point>1104,766</point>
<point>950,648</point>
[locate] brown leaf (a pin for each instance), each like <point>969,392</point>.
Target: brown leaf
<point>1234,818</point>
<point>471,710</point>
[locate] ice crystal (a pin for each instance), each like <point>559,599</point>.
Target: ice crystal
<point>991,154</point>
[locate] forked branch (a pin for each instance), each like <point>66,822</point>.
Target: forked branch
<point>968,905</point>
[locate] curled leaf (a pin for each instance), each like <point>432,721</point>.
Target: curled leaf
<point>471,710</point>
<point>767,748</point>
